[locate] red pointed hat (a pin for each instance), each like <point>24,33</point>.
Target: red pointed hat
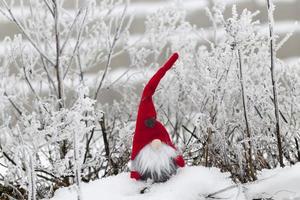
<point>148,127</point>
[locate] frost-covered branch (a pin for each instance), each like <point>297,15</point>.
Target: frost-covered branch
<point>20,27</point>
<point>271,9</point>
<point>111,50</point>
<point>58,67</point>
<point>13,104</point>
<point>75,50</point>
<point>77,165</point>
<point>245,111</point>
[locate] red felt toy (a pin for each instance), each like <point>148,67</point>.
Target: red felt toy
<point>148,128</point>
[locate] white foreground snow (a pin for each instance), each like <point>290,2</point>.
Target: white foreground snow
<point>189,184</point>
<point>279,183</point>
<point>192,183</point>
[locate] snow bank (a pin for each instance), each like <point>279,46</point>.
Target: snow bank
<point>279,183</point>
<point>189,184</point>
<point>193,183</point>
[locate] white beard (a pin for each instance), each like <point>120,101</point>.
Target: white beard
<point>155,163</point>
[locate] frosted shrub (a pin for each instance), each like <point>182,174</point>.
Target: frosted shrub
<point>202,102</point>
<point>54,131</point>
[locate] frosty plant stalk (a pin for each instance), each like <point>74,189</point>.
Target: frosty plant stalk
<point>60,84</point>
<point>271,8</point>
<point>248,130</point>
<point>77,165</point>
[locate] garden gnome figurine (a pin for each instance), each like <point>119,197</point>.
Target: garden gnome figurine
<point>153,155</point>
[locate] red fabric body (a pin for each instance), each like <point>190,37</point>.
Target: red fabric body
<point>135,175</point>
<point>144,135</point>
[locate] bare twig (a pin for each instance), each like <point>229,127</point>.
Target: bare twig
<point>17,191</point>
<point>97,61</point>
<point>244,100</point>
<point>29,83</point>
<point>112,46</point>
<point>80,68</point>
<point>87,146</point>
<point>208,141</point>
<point>20,27</point>
<point>53,179</point>
<point>13,104</point>
<point>49,7</point>
<point>8,158</point>
<point>4,13</point>
<point>270,7</point>
<point>280,112</point>
<point>105,140</point>
<point>286,37</point>
<point>118,78</point>
<point>212,195</point>
<point>191,132</point>
<point>70,31</point>
<point>57,64</point>
<point>77,166</point>
<point>297,148</point>
<point>77,43</point>
<point>48,74</point>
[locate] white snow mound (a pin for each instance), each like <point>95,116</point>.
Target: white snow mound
<point>278,184</point>
<point>190,183</point>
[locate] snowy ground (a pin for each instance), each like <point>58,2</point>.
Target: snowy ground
<point>193,183</point>
<point>279,183</point>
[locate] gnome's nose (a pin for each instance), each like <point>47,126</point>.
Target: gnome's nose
<point>156,144</point>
